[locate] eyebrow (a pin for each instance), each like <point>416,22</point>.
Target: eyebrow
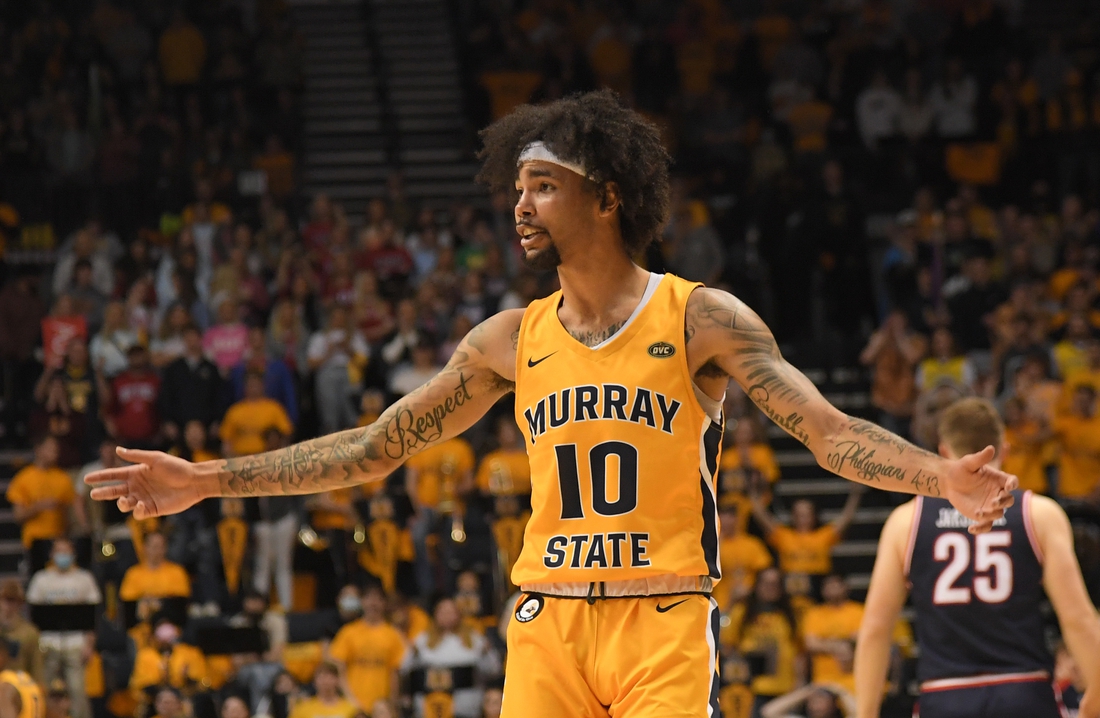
<point>541,171</point>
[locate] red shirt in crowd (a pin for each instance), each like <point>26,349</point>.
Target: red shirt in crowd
<point>134,405</point>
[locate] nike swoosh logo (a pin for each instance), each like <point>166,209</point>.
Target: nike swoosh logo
<point>669,607</point>
<point>532,364</point>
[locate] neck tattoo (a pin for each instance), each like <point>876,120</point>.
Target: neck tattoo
<point>591,339</point>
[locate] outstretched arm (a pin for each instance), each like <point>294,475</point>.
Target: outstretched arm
<point>844,520</point>
<point>726,338</point>
<point>481,371</point>
<point>760,512</point>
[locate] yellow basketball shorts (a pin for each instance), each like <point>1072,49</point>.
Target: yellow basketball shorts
<point>651,657</point>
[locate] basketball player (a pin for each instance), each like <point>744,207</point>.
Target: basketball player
<point>20,696</point>
<point>978,598</point>
<point>619,379</point>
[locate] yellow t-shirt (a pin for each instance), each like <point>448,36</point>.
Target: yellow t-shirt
<point>167,580</point>
<point>1026,457</point>
<point>371,655</point>
<point>736,701</point>
<point>933,370</point>
<point>314,708</point>
<point>449,460</point>
<point>184,665</point>
<point>301,659</point>
<point>419,622</point>
<point>30,695</point>
<point>809,553</point>
<point>323,520</point>
<point>1079,462</point>
<point>33,484</point>
<point>182,53</point>
<point>831,623</point>
<point>761,458</point>
<point>247,421</point>
<point>743,556</point>
<point>1069,358</point>
<point>505,472</point>
<point>772,635</point>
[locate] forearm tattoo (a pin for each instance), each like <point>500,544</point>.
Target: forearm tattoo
<point>418,420</point>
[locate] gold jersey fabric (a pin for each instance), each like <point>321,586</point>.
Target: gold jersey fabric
<point>30,695</point>
<point>623,455</point>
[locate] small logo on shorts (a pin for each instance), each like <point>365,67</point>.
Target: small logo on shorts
<point>529,608</point>
<point>661,350</point>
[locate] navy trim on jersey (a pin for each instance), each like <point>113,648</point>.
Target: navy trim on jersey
<point>712,442</point>
<point>716,683</point>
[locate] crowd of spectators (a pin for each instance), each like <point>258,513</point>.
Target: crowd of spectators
<point>917,179</point>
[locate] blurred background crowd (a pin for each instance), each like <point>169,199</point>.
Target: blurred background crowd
<point>908,191</point>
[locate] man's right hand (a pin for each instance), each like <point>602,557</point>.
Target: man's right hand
<point>156,484</point>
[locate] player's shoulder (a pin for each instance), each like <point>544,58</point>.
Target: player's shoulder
<point>1044,514</point>
<point>899,523</point>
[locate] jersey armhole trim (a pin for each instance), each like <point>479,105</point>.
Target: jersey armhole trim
<point>912,542</point>
<point>1029,527</point>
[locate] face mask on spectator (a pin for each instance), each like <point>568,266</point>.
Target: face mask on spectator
<point>63,561</point>
<point>350,604</point>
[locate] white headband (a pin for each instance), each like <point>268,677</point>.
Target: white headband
<point>539,152</point>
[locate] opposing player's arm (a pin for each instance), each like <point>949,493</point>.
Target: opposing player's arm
<point>1066,588</point>
<point>885,598</point>
<point>479,373</point>
<point>725,337</point>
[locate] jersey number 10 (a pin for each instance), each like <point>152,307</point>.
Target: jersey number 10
<point>569,479</point>
<point>995,587</point>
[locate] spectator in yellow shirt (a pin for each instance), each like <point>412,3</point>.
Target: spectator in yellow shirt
<point>748,465</point>
<point>804,547</point>
<point>247,421</point>
<point>182,52</point>
<point>368,652</point>
<point>506,471</point>
<point>763,629</point>
<point>327,701</point>
<point>829,633</point>
<point>1078,435</point>
<point>743,556</point>
<point>1026,439</point>
<point>166,661</point>
<point>154,576</point>
<point>438,474</point>
<point>41,495</point>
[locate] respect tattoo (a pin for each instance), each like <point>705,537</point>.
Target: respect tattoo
<point>406,432</point>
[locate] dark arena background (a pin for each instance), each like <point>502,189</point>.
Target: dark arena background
<point>226,225</point>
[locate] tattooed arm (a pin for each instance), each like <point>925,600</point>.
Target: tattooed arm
<point>481,371</point>
<point>727,339</point>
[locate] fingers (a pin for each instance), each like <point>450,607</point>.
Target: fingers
<point>109,492</point>
<point>980,528</point>
<point>980,459</point>
<point>137,456</point>
<point>108,476</point>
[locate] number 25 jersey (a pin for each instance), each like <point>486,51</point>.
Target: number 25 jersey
<point>977,598</point>
<point>623,455</point>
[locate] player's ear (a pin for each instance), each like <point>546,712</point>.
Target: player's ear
<point>609,201</point>
<point>945,451</point>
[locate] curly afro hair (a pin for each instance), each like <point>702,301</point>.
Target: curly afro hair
<point>614,143</point>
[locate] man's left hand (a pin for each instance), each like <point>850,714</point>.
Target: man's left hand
<point>979,492</point>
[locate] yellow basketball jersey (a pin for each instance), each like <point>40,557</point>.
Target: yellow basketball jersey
<point>623,455</point>
<point>29,693</point>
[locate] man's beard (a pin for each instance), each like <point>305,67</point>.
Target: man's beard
<point>544,259</point>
